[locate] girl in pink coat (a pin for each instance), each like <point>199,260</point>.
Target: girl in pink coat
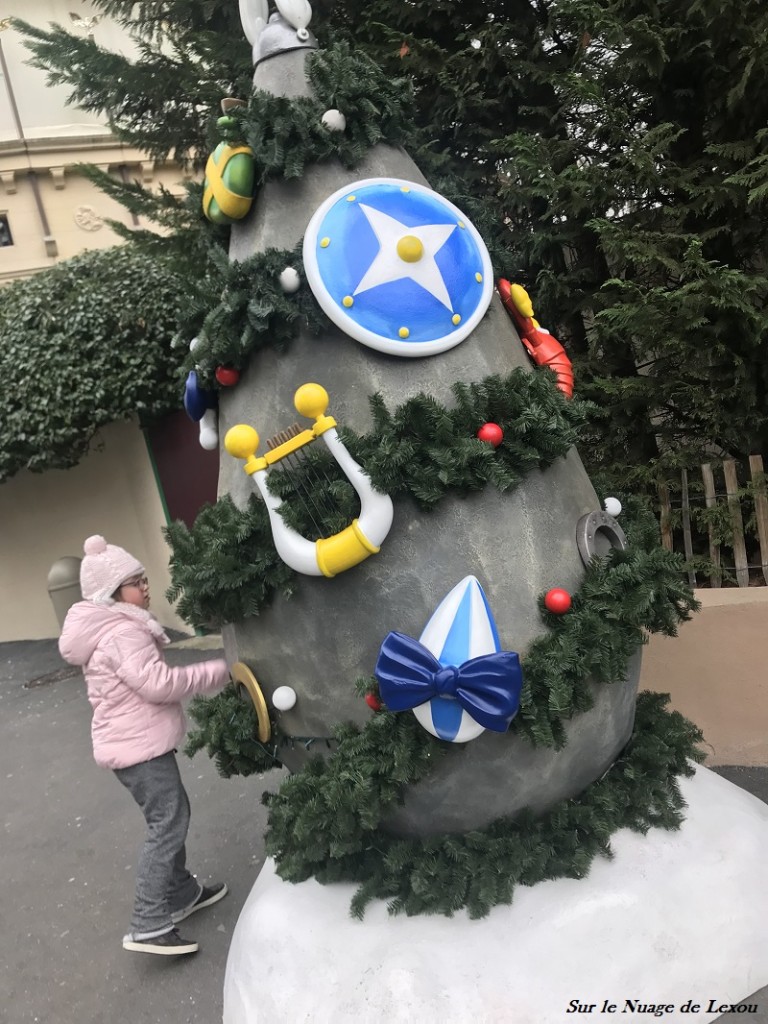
<point>137,724</point>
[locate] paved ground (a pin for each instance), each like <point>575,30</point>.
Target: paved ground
<point>71,836</point>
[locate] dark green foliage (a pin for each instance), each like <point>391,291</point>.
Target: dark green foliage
<point>325,820</point>
<point>622,148</point>
<point>225,568</point>
<point>349,792</point>
<point>708,379</point>
<point>288,134</point>
<point>613,154</point>
<point>622,597</point>
<point>84,344</point>
<point>241,308</point>
<point>331,502</point>
<point>225,726</point>
<point>160,98</point>
<point>426,449</point>
<point>187,241</point>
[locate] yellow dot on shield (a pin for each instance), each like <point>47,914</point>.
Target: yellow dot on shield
<point>347,301</point>
<point>405,189</point>
<point>478,277</point>
<point>403,332</point>
<point>461,223</point>
<point>455,319</point>
<point>410,249</point>
<point>351,199</point>
<point>324,243</point>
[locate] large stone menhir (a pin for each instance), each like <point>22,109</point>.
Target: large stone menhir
<point>518,545</point>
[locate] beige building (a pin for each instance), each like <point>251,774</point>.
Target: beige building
<point>49,212</point>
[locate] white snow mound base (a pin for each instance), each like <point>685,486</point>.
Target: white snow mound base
<point>675,916</point>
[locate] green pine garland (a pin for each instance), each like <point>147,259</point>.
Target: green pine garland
<point>325,820</point>
<point>226,728</point>
<point>622,597</point>
<point>288,134</point>
<point>242,309</point>
<point>225,568</point>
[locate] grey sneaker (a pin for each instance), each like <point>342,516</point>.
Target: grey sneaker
<point>208,896</point>
<point>168,944</point>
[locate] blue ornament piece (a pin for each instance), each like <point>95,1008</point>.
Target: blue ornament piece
<point>456,678</point>
<point>397,267</point>
<point>197,400</point>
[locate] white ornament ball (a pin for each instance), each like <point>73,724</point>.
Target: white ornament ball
<point>194,344</point>
<point>290,280</point>
<point>334,120</point>
<point>284,698</point>
<point>612,506</point>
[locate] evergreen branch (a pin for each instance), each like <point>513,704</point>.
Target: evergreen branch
<point>226,727</point>
<point>225,567</point>
<point>241,308</point>
<point>325,821</point>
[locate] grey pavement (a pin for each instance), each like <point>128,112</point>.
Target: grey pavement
<point>69,849</point>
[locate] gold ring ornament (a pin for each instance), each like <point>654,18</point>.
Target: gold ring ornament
<point>246,680</point>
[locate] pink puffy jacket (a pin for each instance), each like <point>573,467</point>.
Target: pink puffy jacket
<point>137,714</point>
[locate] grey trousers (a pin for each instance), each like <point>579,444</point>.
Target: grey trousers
<point>163,884</point>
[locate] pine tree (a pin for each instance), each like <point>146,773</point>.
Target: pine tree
<point>188,56</point>
<point>622,144</point>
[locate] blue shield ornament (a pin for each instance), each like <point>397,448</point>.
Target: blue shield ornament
<point>455,678</point>
<point>397,267</point>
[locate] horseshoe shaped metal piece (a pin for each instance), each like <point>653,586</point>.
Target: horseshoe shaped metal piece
<point>246,680</point>
<point>587,530</point>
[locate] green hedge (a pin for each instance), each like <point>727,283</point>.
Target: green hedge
<point>84,344</point>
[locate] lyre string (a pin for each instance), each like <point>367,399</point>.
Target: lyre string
<point>295,470</point>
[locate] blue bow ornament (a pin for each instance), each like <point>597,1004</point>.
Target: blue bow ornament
<point>487,688</point>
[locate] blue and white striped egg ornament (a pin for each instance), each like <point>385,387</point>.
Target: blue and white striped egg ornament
<point>462,627</point>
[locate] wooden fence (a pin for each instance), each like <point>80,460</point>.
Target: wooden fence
<point>723,527</point>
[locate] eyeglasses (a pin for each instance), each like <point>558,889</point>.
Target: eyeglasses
<point>137,581</point>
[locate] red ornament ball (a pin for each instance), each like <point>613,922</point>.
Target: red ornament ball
<point>373,702</point>
<point>557,601</point>
<point>227,376</point>
<point>492,433</point>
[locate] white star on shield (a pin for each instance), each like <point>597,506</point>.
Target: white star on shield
<point>388,265</point>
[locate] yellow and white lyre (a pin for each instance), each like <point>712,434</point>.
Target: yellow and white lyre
<point>327,556</point>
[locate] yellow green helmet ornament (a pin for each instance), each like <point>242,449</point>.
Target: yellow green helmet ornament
<point>228,185</point>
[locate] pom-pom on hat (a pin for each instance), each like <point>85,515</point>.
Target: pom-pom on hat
<point>104,569</point>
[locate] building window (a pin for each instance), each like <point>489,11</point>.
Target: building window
<point>6,238</point>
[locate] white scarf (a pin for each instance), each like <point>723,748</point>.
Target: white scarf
<point>132,611</point>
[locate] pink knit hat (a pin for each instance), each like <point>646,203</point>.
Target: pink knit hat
<point>104,568</point>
